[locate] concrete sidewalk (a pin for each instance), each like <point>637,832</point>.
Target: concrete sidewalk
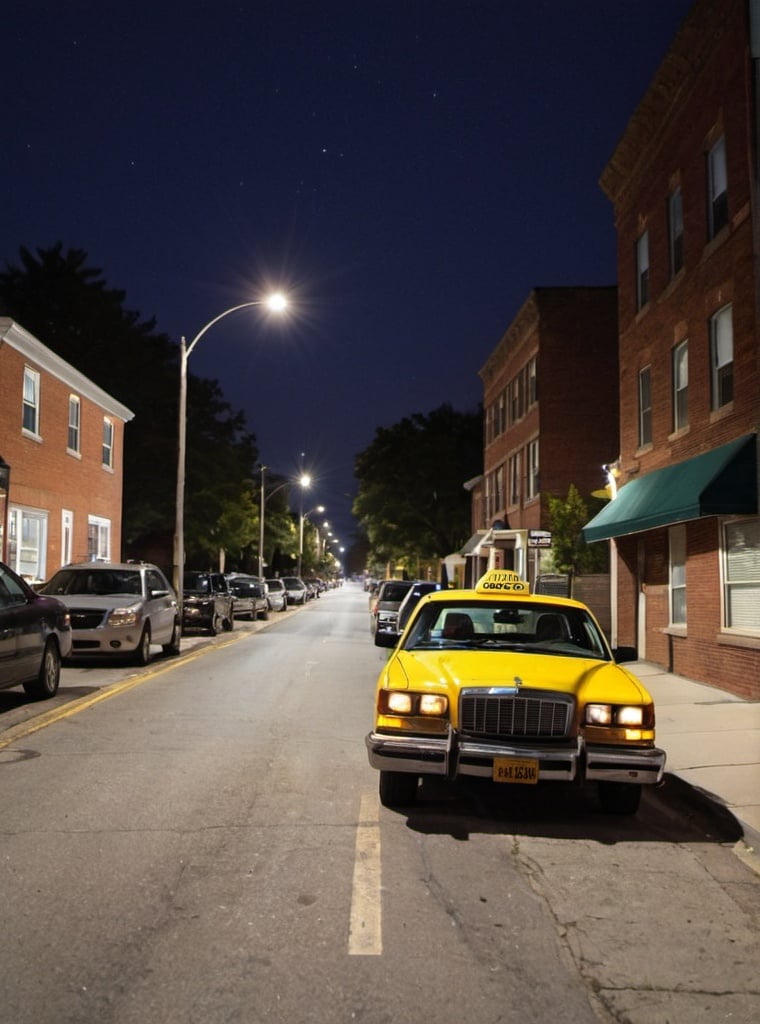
<point>712,740</point>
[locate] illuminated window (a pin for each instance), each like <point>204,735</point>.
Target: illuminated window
<point>717,189</point>
<point>681,386</point>
<point>722,358</point>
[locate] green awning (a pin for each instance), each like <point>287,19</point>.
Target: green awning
<point>719,482</point>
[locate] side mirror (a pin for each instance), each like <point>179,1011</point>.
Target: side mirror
<point>384,638</point>
<point>623,654</point>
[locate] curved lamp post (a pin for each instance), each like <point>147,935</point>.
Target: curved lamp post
<point>303,517</point>
<point>304,481</point>
<point>276,303</point>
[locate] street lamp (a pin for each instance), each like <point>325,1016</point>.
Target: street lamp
<point>276,303</point>
<point>303,517</point>
<point>264,498</point>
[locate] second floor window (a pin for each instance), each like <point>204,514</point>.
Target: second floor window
<point>677,539</point>
<point>717,189</point>
<point>72,442</point>
<point>513,497</point>
<point>722,358</point>
<point>675,231</point>
<point>31,401</point>
<point>532,484</point>
<point>642,270</point>
<point>681,386</point>
<point>645,407</point>
<point>108,443</point>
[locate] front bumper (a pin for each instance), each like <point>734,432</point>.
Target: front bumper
<point>453,756</point>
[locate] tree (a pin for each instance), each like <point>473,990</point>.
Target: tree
<point>411,500</point>
<point>571,553</point>
<point>68,305</point>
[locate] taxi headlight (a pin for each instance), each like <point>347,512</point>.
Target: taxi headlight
<point>614,714</point>
<point>409,703</point>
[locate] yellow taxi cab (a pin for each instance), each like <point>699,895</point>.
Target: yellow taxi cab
<point>516,687</point>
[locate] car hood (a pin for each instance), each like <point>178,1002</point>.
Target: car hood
<point>587,679</point>
<point>74,602</point>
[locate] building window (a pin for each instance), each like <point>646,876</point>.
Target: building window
<point>675,231</point>
<point>645,407</point>
<point>717,189</point>
<point>681,386</point>
<point>494,493</point>
<point>107,443</point>
<point>513,497</point>
<point>98,539</point>
<point>532,382</point>
<point>31,414</point>
<point>27,543</point>
<point>642,270</point>
<point>74,423</point>
<point>67,536</point>
<point>722,358</point>
<point>742,574</point>
<point>532,484</point>
<point>677,537</point>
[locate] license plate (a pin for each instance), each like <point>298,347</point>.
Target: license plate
<point>509,769</point>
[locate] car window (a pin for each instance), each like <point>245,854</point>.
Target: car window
<point>98,582</point>
<point>394,591</point>
<point>524,625</point>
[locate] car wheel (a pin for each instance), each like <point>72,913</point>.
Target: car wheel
<point>619,797</point>
<point>49,675</point>
<point>214,624</point>
<point>264,615</point>
<point>228,624</point>
<point>173,647</point>
<point>142,654</point>
<point>398,789</point>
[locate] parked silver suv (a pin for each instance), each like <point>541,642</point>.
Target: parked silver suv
<point>117,608</point>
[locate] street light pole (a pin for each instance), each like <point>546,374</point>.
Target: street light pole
<point>304,482</point>
<point>303,517</point>
<point>264,497</point>
<point>276,303</point>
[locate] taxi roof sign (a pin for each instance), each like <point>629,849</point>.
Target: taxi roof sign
<point>502,581</point>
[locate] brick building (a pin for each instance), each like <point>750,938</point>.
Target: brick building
<point>683,183</point>
<point>62,437</point>
<point>550,401</point>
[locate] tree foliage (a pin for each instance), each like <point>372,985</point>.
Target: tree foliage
<point>567,517</point>
<point>411,500</point>
<point>59,298</point>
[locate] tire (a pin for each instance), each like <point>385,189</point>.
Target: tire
<point>173,647</point>
<point>228,624</point>
<point>619,797</point>
<point>142,652</point>
<point>398,789</point>
<point>49,676</point>
<point>263,615</point>
<point>214,625</point>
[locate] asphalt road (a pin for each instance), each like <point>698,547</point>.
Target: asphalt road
<point>202,842</point>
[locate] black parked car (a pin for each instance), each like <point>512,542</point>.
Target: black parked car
<point>35,634</point>
<point>207,603</point>
<point>250,595</point>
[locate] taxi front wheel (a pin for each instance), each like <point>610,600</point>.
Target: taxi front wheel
<point>398,789</point>
<point>619,797</point>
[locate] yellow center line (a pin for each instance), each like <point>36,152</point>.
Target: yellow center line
<point>365,936</point>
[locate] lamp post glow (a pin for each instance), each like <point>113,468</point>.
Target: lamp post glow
<point>264,498</point>
<point>303,517</point>
<point>276,303</point>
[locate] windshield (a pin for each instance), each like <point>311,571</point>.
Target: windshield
<point>95,581</point>
<point>514,625</point>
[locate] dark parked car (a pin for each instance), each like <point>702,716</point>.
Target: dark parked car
<point>117,609</point>
<point>384,605</point>
<point>407,606</point>
<point>35,634</point>
<point>250,595</point>
<point>207,602</point>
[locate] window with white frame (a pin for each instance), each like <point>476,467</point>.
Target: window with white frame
<point>645,406</point>
<point>741,575</point>
<point>75,412</point>
<point>642,270</point>
<point>722,358</point>
<point>31,402</point>
<point>681,386</point>
<point>717,188</point>
<point>675,231</point>
<point>98,539</point>
<point>532,482</point>
<point>532,382</point>
<point>677,539</point>
<point>67,536</point>
<point>107,443</point>
<point>513,497</point>
<point>27,542</point>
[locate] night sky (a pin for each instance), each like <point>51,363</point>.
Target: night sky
<point>406,170</point>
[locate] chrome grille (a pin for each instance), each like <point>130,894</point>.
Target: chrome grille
<point>522,714</point>
<point>86,618</point>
